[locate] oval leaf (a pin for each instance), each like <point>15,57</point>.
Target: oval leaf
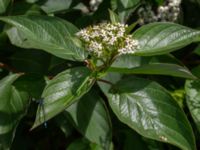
<point>162,38</point>
<point>12,109</point>
<point>90,117</point>
<point>192,88</point>
<point>51,34</point>
<point>157,69</point>
<point>62,91</point>
<point>146,107</point>
<point>130,64</point>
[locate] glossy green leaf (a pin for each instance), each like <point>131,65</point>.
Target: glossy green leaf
<point>3,5</point>
<point>162,38</point>
<point>51,34</point>
<point>129,64</point>
<point>192,88</point>
<point>90,117</point>
<point>13,107</point>
<point>63,90</point>
<point>150,110</point>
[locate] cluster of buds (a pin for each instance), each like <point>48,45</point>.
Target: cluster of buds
<point>169,11</point>
<point>146,15</point>
<point>107,40</point>
<point>94,4</point>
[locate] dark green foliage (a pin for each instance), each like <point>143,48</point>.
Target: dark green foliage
<point>55,95</point>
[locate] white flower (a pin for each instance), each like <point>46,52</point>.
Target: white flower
<point>106,39</point>
<point>169,11</point>
<point>130,46</point>
<point>94,4</point>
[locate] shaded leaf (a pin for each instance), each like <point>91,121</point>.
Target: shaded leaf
<point>83,144</point>
<point>64,124</point>
<point>13,107</point>
<point>90,117</point>
<point>33,84</point>
<point>30,61</point>
<point>3,5</point>
<point>130,140</point>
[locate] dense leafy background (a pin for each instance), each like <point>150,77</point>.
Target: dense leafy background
<point>42,65</point>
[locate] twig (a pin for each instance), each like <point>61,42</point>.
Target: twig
<point>105,81</point>
<point>4,66</point>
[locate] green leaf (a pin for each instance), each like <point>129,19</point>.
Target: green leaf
<point>131,140</point>
<point>64,124</point>
<point>30,61</point>
<point>50,34</point>
<point>63,90</point>
<point>131,61</point>
<point>52,6</point>
<point>124,8</point>
<point>157,69</point>
<point>197,50</point>
<point>162,38</point>
<point>3,5</point>
<point>83,144</point>
<point>113,17</point>
<point>12,109</point>
<point>90,117</point>
<point>111,77</point>
<point>192,88</point>
<point>31,1</point>
<point>131,27</point>
<point>196,71</point>
<point>33,84</point>
<point>150,110</point>
<point>138,65</point>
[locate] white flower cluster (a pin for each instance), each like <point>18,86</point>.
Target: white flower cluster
<point>94,4</point>
<point>106,40</point>
<point>167,12</point>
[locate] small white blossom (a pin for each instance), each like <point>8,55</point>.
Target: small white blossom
<point>107,39</point>
<point>169,11</point>
<point>94,4</point>
<point>130,45</point>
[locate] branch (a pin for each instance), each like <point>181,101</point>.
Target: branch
<point>105,81</point>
